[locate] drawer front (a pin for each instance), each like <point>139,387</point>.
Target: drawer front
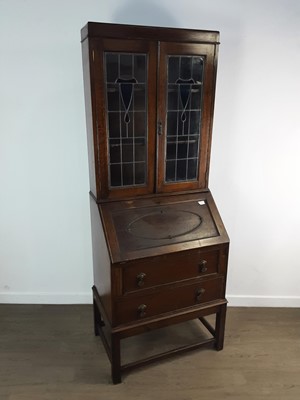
<point>140,307</point>
<point>169,268</point>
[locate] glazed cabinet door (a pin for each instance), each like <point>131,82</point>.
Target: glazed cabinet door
<point>123,77</point>
<point>185,108</point>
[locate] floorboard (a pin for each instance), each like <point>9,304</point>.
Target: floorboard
<point>50,353</point>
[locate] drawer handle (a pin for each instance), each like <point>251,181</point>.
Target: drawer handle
<point>199,293</point>
<point>142,310</point>
<point>203,266</point>
<point>140,279</point>
<point>159,129</point>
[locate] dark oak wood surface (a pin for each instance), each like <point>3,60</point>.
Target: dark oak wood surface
<point>160,248</point>
<point>124,246</point>
<point>168,299</point>
<point>157,44</point>
<point>144,274</point>
<point>96,29</point>
<point>98,49</point>
<point>208,52</point>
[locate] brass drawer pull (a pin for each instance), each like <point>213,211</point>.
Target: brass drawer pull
<point>142,310</point>
<point>199,293</point>
<point>203,266</point>
<point>140,279</point>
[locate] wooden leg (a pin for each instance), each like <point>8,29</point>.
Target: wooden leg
<point>97,319</point>
<point>220,327</point>
<point>115,359</point>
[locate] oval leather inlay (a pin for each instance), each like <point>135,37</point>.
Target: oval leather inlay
<point>164,224</point>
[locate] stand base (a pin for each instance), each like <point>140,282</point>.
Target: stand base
<point>117,333</point>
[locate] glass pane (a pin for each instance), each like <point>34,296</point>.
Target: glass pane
<point>171,150</point>
<point>193,148</point>
<point>128,174</point>
<point>126,66</point>
<point>127,151</point>
<point>139,97</point>
<point>114,151</point>
<point>140,68</point>
<point>181,170</point>
<point>173,98</point>
<point>140,126</point>
<point>186,67</point>
<point>114,125</point>
<point>172,123</point>
<point>184,102</point>
<point>195,123</point>
<point>113,98</point>
<point>140,173</point>
<point>182,150</point>
<point>198,67</point>
<point>192,168</point>
<point>115,175</point>
<point>170,171</point>
<point>173,69</point>
<point>112,67</point>
<point>126,99</point>
<point>196,97</point>
<point>140,149</point>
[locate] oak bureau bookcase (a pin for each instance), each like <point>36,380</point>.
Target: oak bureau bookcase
<point>160,249</point>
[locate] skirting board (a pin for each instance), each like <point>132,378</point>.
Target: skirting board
<point>46,298</point>
<point>86,298</point>
<point>262,301</point>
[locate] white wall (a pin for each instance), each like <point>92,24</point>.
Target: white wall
<point>45,243</point>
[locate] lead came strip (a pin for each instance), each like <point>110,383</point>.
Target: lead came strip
<point>182,153</point>
<point>126,89</point>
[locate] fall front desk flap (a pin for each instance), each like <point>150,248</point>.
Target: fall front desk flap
<point>157,225</point>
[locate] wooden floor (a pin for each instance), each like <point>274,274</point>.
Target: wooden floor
<point>49,352</point>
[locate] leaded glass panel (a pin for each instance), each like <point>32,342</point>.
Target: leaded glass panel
<point>184,100</point>
<point>126,99</point>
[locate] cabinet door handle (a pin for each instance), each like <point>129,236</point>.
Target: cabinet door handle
<point>142,310</point>
<point>159,128</point>
<point>140,279</point>
<point>203,266</point>
<point>199,293</point>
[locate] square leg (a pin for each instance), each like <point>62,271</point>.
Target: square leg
<point>115,359</point>
<point>98,322</point>
<point>220,327</point>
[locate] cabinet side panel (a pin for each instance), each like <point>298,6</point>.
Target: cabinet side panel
<point>211,120</point>
<point>89,114</point>
<point>101,260</point>
<point>224,265</point>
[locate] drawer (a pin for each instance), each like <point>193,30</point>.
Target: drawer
<point>169,268</point>
<point>139,307</point>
